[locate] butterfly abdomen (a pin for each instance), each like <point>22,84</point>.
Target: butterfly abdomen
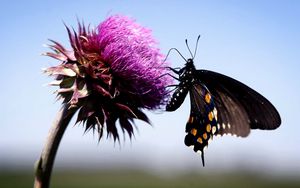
<point>177,99</point>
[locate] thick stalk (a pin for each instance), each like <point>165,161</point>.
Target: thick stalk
<point>44,165</point>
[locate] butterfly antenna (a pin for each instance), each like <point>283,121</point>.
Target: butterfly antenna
<point>176,51</point>
<point>186,42</point>
<point>196,47</point>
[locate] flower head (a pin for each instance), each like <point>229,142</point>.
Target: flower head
<point>112,73</point>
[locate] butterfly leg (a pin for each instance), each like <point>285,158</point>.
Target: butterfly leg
<point>173,76</point>
<point>175,71</point>
<point>173,85</point>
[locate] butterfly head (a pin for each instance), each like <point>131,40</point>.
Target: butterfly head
<point>190,63</point>
<point>187,72</point>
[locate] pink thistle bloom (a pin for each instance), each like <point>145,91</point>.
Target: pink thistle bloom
<point>112,73</point>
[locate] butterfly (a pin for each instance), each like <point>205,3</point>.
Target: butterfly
<point>219,105</point>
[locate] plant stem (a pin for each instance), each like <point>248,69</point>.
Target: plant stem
<point>44,165</point>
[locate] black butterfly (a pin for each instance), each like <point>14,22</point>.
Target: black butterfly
<point>219,105</point>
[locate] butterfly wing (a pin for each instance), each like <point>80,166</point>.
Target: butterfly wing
<point>240,107</point>
<point>202,123</point>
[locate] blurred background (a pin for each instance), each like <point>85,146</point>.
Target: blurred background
<point>256,42</point>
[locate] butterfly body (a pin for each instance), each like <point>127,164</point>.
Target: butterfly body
<point>219,105</point>
<point>186,78</point>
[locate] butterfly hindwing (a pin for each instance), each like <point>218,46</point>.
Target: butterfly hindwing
<point>202,122</point>
<point>240,107</point>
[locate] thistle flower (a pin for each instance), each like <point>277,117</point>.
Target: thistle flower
<point>112,73</point>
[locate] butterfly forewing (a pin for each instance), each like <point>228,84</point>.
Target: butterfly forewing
<point>232,117</point>
<point>239,106</point>
<point>202,123</point>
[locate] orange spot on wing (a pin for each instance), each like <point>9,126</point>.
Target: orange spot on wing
<point>200,140</point>
<point>207,98</point>
<point>194,131</point>
<point>204,136</point>
<point>208,128</point>
<point>210,116</point>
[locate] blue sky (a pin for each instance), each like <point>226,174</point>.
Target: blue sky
<point>256,42</point>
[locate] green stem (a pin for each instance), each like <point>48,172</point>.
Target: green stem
<point>44,165</point>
